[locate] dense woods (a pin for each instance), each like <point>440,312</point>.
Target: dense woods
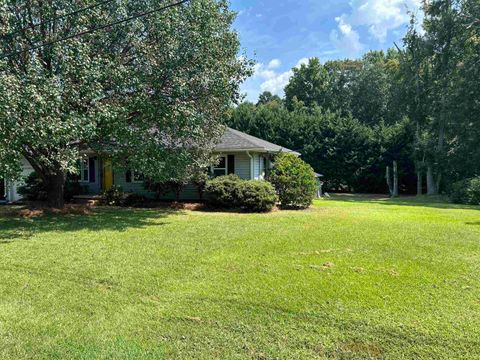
<point>417,104</point>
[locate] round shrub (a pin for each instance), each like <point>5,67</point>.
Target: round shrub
<point>231,192</point>
<point>223,191</point>
<point>466,191</point>
<point>294,181</point>
<point>257,196</point>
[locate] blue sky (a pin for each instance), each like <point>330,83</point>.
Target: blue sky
<point>280,34</point>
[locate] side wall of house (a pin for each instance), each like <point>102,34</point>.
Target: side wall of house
<point>120,179</point>
<point>258,166</point>
<point>242,165</point>
<point>12,186</point>
<point>242,169</point>
<point>94,183</point>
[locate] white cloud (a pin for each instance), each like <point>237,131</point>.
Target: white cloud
<point>348,39</point>
<point>379,16</point>
<point>274,81</point>
<point>274,64</point>
<point>302,61</point>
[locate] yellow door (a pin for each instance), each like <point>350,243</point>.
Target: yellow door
<point>107,182</point>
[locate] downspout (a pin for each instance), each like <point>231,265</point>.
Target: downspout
<point>251,166</point>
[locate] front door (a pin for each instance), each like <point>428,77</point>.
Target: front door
<point>2,189</point>
<point>107,181</point>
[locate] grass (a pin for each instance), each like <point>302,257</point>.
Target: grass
<point>351,278</point>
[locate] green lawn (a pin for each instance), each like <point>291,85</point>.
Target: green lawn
<point>351,278</point>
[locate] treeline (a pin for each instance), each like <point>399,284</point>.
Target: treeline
<point>417,104</point>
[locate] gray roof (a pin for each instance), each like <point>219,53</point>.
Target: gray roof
<point>234,140</point>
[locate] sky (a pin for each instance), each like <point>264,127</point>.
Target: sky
<point>282,34</point>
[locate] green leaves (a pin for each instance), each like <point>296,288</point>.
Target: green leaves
<point>294,181</point>
<point>147,93</point>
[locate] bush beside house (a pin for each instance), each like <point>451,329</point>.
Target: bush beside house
<point>294,181</point>
<point>34,189</point>
<point>231,192</point>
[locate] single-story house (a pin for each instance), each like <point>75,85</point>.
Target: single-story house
<point>239,153</point>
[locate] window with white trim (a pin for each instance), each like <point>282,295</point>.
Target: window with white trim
<point>134,176</point>
<point>137,177</point>
<point>84,170</point>
<point>220,169</point>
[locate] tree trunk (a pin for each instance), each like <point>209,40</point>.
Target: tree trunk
<point>55,190</point>
<point>389,180</point>
<point>419,182</point>
<point>395,179</point>
<point>431,190</point>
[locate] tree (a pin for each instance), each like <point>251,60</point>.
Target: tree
<point>308,84</point>
<point>294,181</point>
<point>141,92</point>
<point>266,97</point>
<point>441,25</point>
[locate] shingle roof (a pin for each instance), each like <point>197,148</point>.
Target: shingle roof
<point>234,140</point>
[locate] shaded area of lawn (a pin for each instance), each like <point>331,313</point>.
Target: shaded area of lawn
<point>439,202</point>
<point>356,279</point>
<point>18,228</point>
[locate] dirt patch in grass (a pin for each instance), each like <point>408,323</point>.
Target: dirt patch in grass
<point>33,211</point>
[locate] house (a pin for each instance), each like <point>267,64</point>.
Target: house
<point>239,153</point>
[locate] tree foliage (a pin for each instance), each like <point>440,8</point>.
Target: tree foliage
<point>416,104</point>
<point>141,92</point>
<point>294,181</point>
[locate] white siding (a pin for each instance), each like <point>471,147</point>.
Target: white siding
<point>242,166</point>
<point>12,187</point>
<point>258,167</point>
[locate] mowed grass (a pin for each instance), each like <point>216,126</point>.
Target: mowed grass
<point>351,278</point>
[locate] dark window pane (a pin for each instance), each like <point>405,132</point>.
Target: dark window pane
<point>222,163</point>
<point>91,166</point>
<point>231,164</point>
<point>218,172</point>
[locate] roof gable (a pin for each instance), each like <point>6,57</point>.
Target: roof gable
<point>234,140</point>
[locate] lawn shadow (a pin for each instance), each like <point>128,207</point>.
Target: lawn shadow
<point>473,223</point>
<point>437,202</point>
<point>14,228</point>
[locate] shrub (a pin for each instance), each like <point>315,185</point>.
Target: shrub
<point>231,192</point>
<point>294,181</point>
<point>466,191</point>
<point>134,200</point>
<point>113,197</point>
<point>256,196</point>
<point>223,191</point>
<point>200,180</point>
<point>33,188</point>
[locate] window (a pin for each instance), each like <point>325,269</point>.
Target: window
<point>133,176</point>
<point>231,164</point>
<point>221,168</point>
<point>137,177</point>
<point>84,170</point>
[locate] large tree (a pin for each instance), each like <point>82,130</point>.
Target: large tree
<point>148,93</point>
